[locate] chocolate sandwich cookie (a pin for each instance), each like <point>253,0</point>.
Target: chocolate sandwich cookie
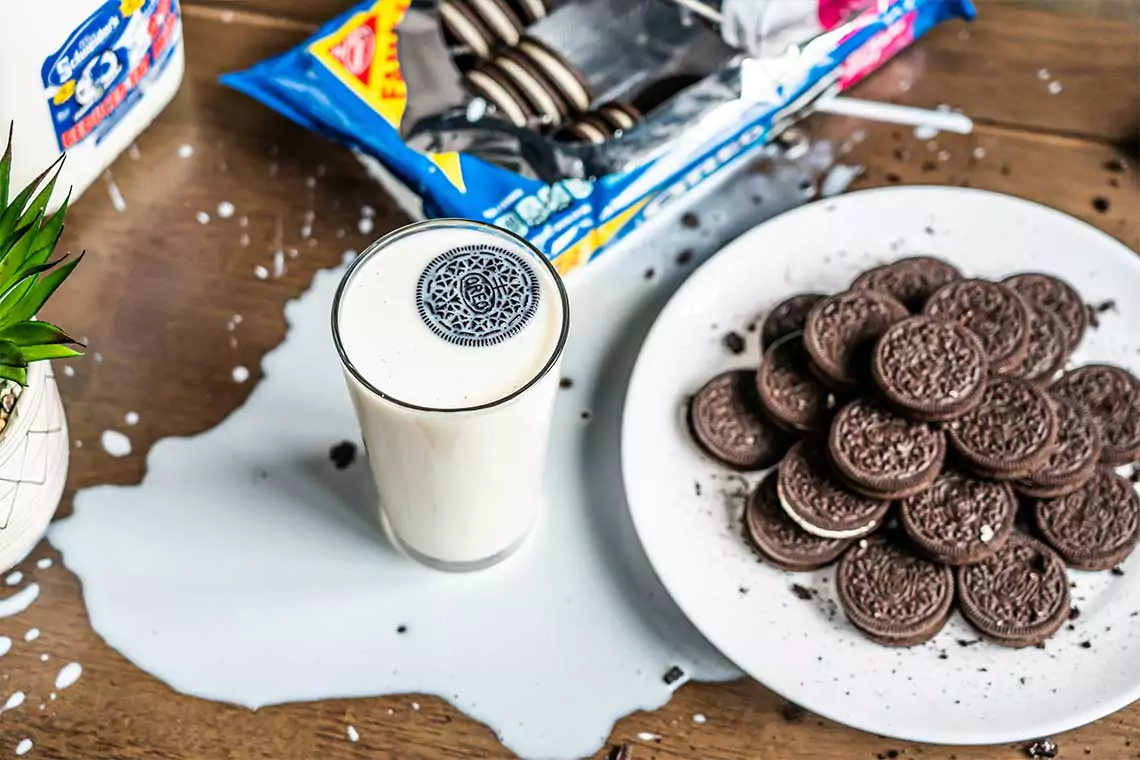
<point>993,312</point>
<point>1112,397</point>
<point>462,24</point>
<point>584,129</point>
<point>788,317</point>
<point>1095,527</point>
<point>1046,352</point>
<point>1074,458</point>
<point>619,115</point>
<point>778,540</point>
<point>1010,434</point>
<point>891,595</point>
<point>498,17</point>
<point>909,281</point>
<point>818,502</point>
<point>930,369</point>
<point>840,328</point>
<point>530,10</point>
<point>791,395</point>
<point>726,422</point>
<point>489,82</point>
<point>960,519</point>
<point>881,455</point>
<point>539,93</point>
<point>1019,597</point>
<point>1053,295</point>
<point>569,82</point>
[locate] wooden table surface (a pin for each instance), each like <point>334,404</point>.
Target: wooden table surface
<point>157,288</point>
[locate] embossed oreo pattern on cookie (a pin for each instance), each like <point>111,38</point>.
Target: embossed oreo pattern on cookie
<point>778,539</point>
<point>1112,396</point>
<point>893,596</point>
<point>882,455</point>
<point>910,281</point>
<point>1074,458</point>
<point>1046,352</point>
<point>1096,526</point>
<point>1010,433</point>
<point>818,502</point>
<point>1054,295</point>
<point>726,422</point>
<point>839,328</point>
<point>993,312</point>
<point>477,295</point>
<point>960,519</point>
<point>930,369</point>
<point>789,392</point>
<point>1018,597</point>
<point>788,317</point>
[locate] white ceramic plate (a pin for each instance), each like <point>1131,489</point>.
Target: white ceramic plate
<point>687,509</point>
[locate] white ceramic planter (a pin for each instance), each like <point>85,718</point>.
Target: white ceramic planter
<point>33,465</point>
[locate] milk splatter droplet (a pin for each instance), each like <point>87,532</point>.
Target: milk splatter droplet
<point>133,152</point>
<point>240,374</point>
<point>69,370</point>
<point>32,634</point>
<point>44,564</point>
<point>278,263</point>
<point>1043,74</point>
<point>416,706</point>
<point>225,209</point>
<point>353,734</point>
<point>227,17</point>
<point>365,225</point>
<point>261,272</point>
<point>839,179</point>
<point>98,357</point>
<point>14,578</point>
<point>367,212</point>
<point>68,675</point>
<point>5,645</point>
<point>645,736</point>
<point>1055,87</point>
<point>202,217</point>
<point>115,443</point>
<point>979,152</point>
<point>131,418</point>
<point>14,701</point>
<point>24,747</point>
<point>347,256</point>
<point>19,601</point>
<point>925,132</point>
<point>185,151</point>
<point>45,657</point>
<point>115,194</point>
<point>698,718</point>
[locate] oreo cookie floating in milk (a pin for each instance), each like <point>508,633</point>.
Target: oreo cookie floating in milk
<point>381,79</point>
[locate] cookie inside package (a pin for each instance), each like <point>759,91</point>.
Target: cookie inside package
<point>573,122</point>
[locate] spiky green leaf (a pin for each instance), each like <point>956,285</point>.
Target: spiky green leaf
<point>15,374</point>
<point>6,168</point>
<point>11,215</point>
<point>38,206</point>
<point>36,333</point>
<point>36,296</point>
<point>10,355</point>
<point>51,351</point>
<point>12,260</point>
<point>7,243</point>
<point>48,235</point>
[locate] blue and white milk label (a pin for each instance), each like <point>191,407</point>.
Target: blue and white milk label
<point>106,64</point>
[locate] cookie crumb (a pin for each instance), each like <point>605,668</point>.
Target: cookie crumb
<point>684,257</point>
<point>793,713</point>
<point>1074,613</point>
<point>801,592</point>
<point>1101,204</point>
<point>565,383</point>
<point>673,675</point>
<point>734,343</point>
<point>690,220</point>
<point>1118,571</point>
<point>743,591</point>
<point>1086,644</point>
<point>1042,748</point>
<point>343,454</point>
<point>967,642</point>
<point>401,629</point>
<point>697,487</point>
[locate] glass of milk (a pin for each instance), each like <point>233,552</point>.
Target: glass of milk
<point>451,334</point>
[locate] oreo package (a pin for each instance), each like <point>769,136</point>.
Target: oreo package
<point>575,122</point>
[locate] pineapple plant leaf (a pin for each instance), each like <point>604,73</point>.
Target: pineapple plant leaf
<point>27,277</point>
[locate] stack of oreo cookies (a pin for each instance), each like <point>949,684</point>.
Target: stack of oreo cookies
<point>926,438</point>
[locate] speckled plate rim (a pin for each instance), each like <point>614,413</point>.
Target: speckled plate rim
<point>694,544</point>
